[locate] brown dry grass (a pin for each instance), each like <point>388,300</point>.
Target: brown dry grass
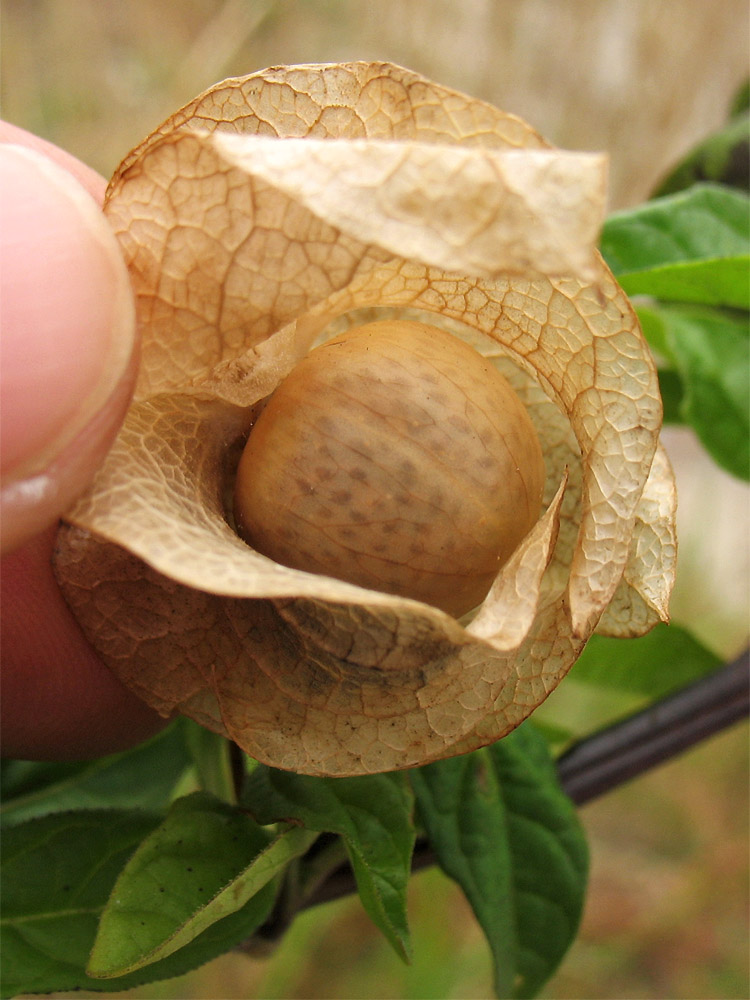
<point>642,80</point>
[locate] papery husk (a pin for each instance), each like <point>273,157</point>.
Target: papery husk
<point>253,221</point>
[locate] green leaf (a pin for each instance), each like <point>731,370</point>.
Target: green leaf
<point>372,814</point>
<point>462,810</point>
<point>672,396</point>
<point>142,778</point>
<point>687,247</point>
<point>206,861</point>
<point>723,158</point>
<point>741,100</point>
<point>710,350</point>
<point>505,831</point>
<point>666,658</point>
<point>58,873</point>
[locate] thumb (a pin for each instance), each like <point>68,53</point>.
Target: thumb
<point>66,343</point>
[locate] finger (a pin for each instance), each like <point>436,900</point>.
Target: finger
<point>68,338</point>
<point>89,179</point>
<point>59,701</point>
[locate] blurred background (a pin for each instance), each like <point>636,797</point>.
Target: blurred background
<point>667,915</point>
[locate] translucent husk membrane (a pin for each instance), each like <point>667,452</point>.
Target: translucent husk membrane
<point>265,216</point>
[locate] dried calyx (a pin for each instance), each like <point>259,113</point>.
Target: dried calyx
<point>255,220</point>
<point>395,457</point>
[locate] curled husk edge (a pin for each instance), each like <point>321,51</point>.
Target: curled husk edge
<point>250,236</point>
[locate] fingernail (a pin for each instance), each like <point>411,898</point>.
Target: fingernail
<point>68,323</point>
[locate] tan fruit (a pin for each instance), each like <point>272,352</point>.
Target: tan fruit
<point>395,457</point>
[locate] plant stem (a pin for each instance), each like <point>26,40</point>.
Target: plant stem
<point>609,758</point>
<point>657,733</point>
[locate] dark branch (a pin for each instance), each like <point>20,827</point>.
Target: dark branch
<point>609,758</point>
<point>663,730</point>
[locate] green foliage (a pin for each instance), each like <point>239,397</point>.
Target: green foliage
<point>506,832</point>
<point>688,250</point>
<point>689,254</point>
<point>687,247</point>
<point>58,871</point>
<point>372,814</point>
<point>741,100</point>
<point>709,353</point>
<point>723,158</point>
<point>666,658</point>
<point>34,789</point>
<point>203,863</point>
<point>110,898</point>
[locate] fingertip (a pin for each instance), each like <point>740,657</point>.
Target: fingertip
<point>68,336</point>
<point>88,178</point>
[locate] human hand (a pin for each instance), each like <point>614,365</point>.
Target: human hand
<point>68,357</point>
